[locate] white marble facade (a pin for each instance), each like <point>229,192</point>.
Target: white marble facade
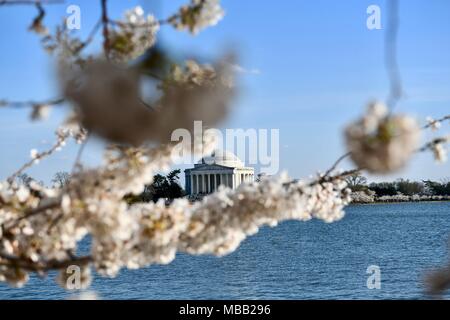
<point>221,168</point>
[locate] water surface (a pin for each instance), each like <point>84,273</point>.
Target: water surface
<point>296,260</point>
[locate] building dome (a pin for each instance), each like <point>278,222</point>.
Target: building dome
<point>223,158</point>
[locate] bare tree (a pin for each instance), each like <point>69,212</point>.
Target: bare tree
<point>61,179</point>
<point>356,182</point>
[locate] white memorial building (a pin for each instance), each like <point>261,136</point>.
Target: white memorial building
<point>220,168</point>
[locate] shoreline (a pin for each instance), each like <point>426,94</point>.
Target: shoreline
<point>397,202</point>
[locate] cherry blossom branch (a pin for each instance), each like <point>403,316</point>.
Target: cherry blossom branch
<point>13,261</point>
<point>21,104</point>
<point>156,23</point>
<point>430,145</point>
<point>432,123</point>
<point>29,2</point>
<point>36,157</point>
<point>338,161</point>
<point>55,203</point>
<point>282,206</point>
<point>77,163</point>
<point>90,37</point>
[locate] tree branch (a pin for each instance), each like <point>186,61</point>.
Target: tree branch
<point>21,104</point>
<point>13,261</point>
<point>29,2</point>
<point>105,20</point>
<point>38,157</point>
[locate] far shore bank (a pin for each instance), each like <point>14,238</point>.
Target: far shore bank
<point>397,202</point>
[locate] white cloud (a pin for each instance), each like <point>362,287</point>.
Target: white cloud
<point>240,69</point>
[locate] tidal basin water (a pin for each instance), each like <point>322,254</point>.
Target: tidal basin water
<point>296,260</point>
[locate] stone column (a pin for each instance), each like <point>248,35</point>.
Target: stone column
<point>192,183</point>
<point>209,182</point>
<point>202,183</point>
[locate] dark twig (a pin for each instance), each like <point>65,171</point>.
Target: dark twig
<point>13,261</point>
<point>105,21</point>
<point>29,2</point>
<point>432,143</point>
<point>77,163</point>
<point>339,160</point>
<point>391,63</point>
<point>42,208</point>
<point>429,125</point>
<point>91,36</point>
<point>38,157</point>
<point>21,104</point>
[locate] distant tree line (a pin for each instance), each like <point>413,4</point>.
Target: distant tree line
<point>358,183</point>
<point>163,187</point>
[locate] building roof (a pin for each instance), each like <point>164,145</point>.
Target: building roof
<point>222,158</point>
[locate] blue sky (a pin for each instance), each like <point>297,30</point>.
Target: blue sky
<point>318,67</point>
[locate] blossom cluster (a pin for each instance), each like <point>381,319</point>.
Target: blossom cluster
<point>438,146</point>
<point>439,150</point>
<point>108,101</point>
<point>198,15</point>
<point>62,44</point>
<point>134,34</point>
<point>381,143</point>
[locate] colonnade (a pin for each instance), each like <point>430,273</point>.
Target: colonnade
<point>202,182</point>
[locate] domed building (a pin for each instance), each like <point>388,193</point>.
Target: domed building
<point>220,168</point>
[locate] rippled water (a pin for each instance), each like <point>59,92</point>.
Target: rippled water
<point>311,260</point>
